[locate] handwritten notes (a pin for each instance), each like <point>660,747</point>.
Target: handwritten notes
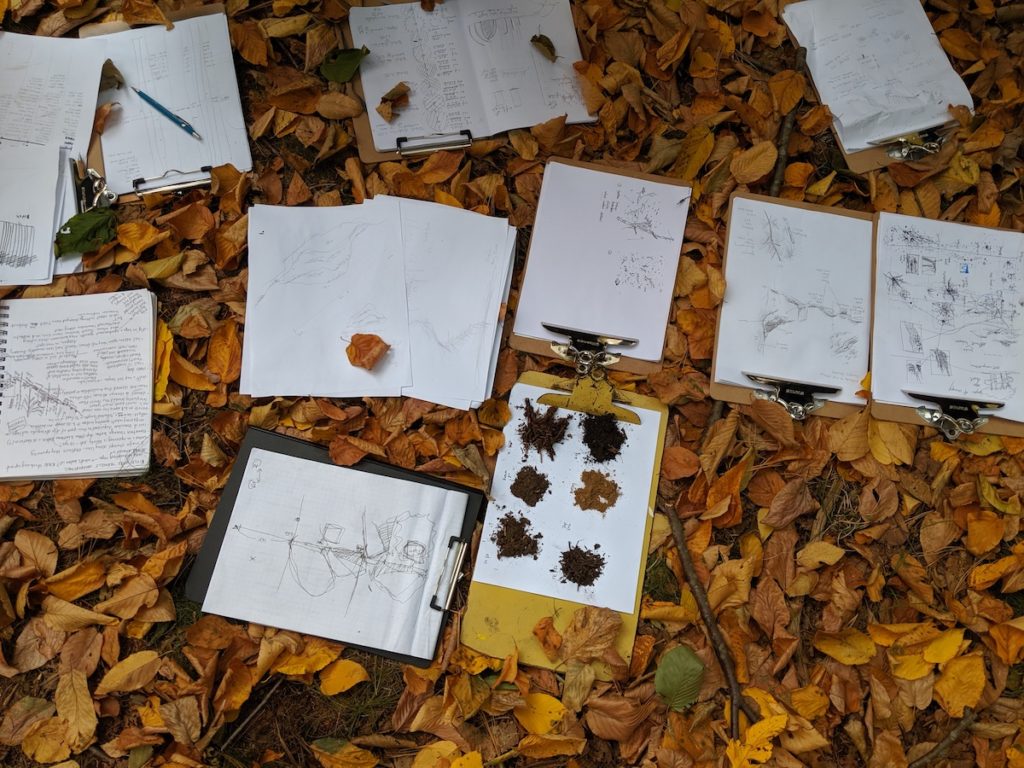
<point>76,395</point>
<point>470,65</point>
<point>797,299</point>
<point>604,256</point>
<point>878,66</point>
<point>949,313</point>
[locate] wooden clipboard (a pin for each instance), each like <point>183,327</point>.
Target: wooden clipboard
<point>907,414</point>
<point>735,393</point>
<point>499,621</point>
<point>542,347</point>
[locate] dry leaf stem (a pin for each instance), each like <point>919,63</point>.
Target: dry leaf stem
<point>255,711</point>
<point>787,129</point>
<point>939,751</point>
<point>724,655</point>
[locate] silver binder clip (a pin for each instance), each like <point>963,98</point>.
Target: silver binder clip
<point>91,190</point>
<point>587,351</point>
<point>449,577</point>
<point>409,146</point>
<point>913,146</point>
<point>953,416</point>
<point>174,187</point>
<point>800,399</point>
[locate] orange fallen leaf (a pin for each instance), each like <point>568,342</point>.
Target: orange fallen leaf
<point>366,349</point>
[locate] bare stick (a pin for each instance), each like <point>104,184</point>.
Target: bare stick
<point>786,131</point>
<point>721,648</point>
<point>939,751</point>
<point>1010,13</point>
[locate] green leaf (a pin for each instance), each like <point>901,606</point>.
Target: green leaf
<point>543,44</point>
<point>139,756</point>
<point>341,65</point>
<point>86,231</point>
<point>679,677</point>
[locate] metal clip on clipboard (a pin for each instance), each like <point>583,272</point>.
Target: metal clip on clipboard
<point>913,146</point>
<point>450,576</point>
<point>171,187</point>
<point>800,399</point>
<point>409,146</point>
<point>953,416</point>
<point>91,190</point>
<point>591,392</point>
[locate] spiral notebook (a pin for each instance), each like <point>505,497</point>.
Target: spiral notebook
<point>76,385</point>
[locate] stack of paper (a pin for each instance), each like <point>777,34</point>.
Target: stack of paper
<point>428,279</point>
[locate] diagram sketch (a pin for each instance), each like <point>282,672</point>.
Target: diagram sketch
<point>782,310</point>
<point>504,31</point>
<point>17,244</point>
<point>779,240</point>
<point>952,297</point>
<point>637,210</point>
<point>638,269</point>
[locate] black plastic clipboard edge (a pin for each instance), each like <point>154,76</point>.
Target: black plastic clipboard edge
<point>202,570</point>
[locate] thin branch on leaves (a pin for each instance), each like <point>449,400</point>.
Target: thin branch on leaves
<point>786,131</point>
<point>939,751</point>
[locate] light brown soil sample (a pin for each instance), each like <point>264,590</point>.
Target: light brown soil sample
<point>582,566</point>
<point>603,436</point>
<point>513,537</point>
<point>530,486</point>
<point>598,491</point>
<point>543,431</point>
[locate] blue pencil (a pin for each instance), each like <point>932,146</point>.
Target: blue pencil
<point>183,124</point>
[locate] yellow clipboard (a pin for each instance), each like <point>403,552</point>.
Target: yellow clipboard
<point>499,621</point>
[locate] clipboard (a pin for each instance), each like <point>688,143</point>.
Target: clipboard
<point>543,347</point>
<point>932,408</point>
<point>744,395</point>
<point>202,570</point>
<point>499,621</point>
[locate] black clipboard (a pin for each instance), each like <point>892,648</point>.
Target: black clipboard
<point>202,570</point>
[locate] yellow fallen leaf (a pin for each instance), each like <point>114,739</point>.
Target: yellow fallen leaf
<point>809,701</point>
<point>819,553</point>
<point>550,745</point>
<point>315,655</point>
<point>470,760</point>
<point>335,753</point>
<point>164,346</point>
<point>848,646</point>
<point>188,375</point>
<point>961,684</point>
<point>432,755</point>
<point>78,580</point>
<point>944,647</point>
<point>131,673</point>
<point>751,164</point>
<point>340,676</point>
<point>756,747</point>
<point>45,741</point>
<point>74,705</point>
<point>540,713</point>
<point>909,666</point>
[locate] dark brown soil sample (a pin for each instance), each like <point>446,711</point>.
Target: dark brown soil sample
<point>543,431</point>
<point>603,436</point>
<point>582,566</point>
<point>513,537</point>
<point>530,486</point>
<point>597,492</point>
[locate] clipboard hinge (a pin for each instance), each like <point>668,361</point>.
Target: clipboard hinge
<point>91,190</point>
<point>454,574</point>
<point>172,188</point>
<point>409,146</point>
<point>953,417</point>
<point>798,398</point>
<point>587,350</point>
<point>913,146</point>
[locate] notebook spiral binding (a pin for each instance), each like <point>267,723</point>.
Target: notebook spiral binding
<point>4,315</point>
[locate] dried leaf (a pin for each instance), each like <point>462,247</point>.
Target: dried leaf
<point>341,675</point>
<point>130,674</point>
<point>543,44</point>
<point>366,349</point>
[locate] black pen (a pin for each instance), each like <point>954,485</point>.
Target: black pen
<point>181,123</point>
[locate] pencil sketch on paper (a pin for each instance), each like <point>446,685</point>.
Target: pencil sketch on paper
<point>16,244</point>
<point>383,558</point>
<point>449,341</point>
<point>640,210</point>
<point>781,311</point>
<point>638,270</point>
<point>778,238</point>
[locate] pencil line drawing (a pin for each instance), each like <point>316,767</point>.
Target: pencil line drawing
<point>638,270</point>
<point>24,395</point>
<point>16,244</point>
<point>781,309</point>
<point>778,238</point>
<point>452,339</point>
<point>639,213</point>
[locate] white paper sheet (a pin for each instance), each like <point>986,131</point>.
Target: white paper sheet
<point>78,385</point>
<point>456,270</point>
<point>317,276</point>
<point>797,298</point>
<point>469,65</point>
<point>333,552</point>
<point>28,209</point>
<point>878,66</point>
<point>616,534</point>
<point>603,256</point>
<point>188,69</point>
<point>949,313</point>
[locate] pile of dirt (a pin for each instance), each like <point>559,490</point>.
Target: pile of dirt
<point>582,566</point>
<point>603,436</point>
<point>514,539</point>
<point>598,491</point>
<point>530,486</point>
<point>543,431</point>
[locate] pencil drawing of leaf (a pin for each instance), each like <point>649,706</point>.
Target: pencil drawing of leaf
<point>394,99</point>
<point>543,44</point>
<point>342,65</point>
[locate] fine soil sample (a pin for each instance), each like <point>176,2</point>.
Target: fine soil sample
<point>603,436</point>
<point>530,486</point>
<point>597,492</point>
<point>513,537</point>
<point>543,431</point>
<point>582,566</point>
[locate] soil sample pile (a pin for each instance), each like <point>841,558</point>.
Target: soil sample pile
<point>597,492</point>
<point>530,486</point>
<point>514,539</point>
<point>543,431</point>
<point>603,436</point>
<point>582,566</point>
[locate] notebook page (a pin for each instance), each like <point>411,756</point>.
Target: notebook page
<point>949,313</point>
<point>28,211</point>
<point>77,390</point>
<point>797,297</point>
<point>190,71</point>
<point>603,257</point>
<point>878,66</point>
<point>362,570</point>
<point>427,51</point>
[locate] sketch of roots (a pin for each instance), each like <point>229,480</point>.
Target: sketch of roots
<point>16,244</point>
<point>843,346</point>
<point>778,239</point>
<point>639,215</point>
<point>506,30</point>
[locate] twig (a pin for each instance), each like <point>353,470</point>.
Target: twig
<point>1010,13</point>
<point>241,726</point>
<point>715,415</point>
<point>721,648</point>
<point>939,751</point>
<point>784,133</point>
